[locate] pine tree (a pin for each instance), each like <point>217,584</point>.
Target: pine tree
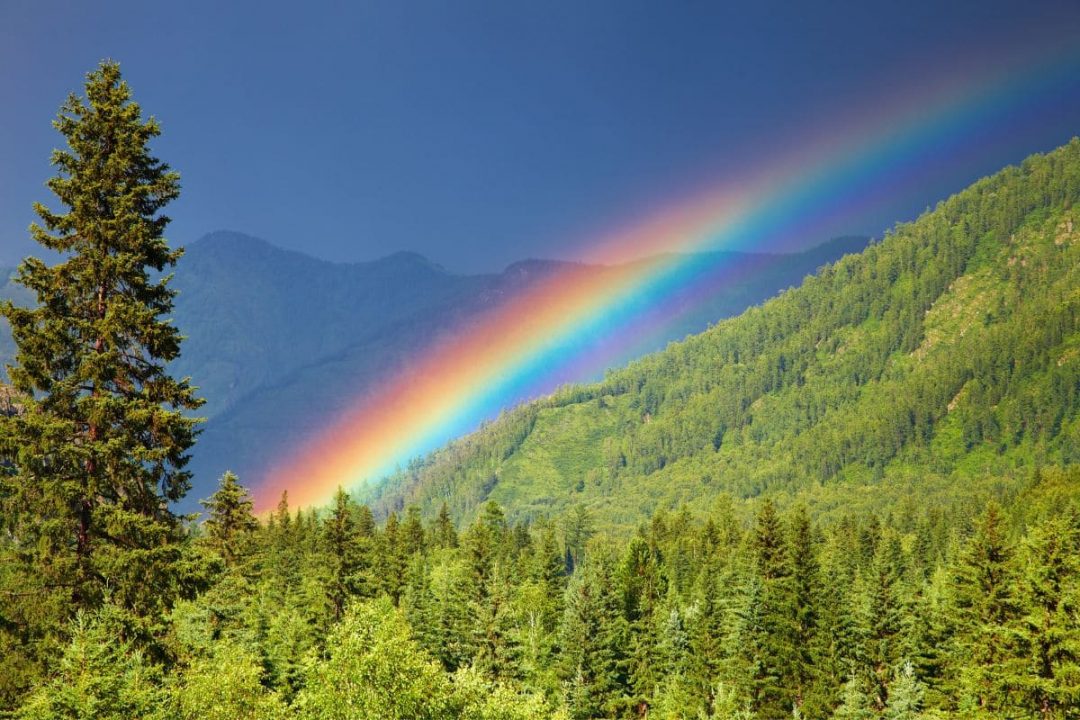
<point>231,521</point>
<point>775,643</point>
<point>905,695</point>
<point>100,675</point>
<point>805,603</point>
<point>706,635</point>
<point>283,551</point>
<point>577,529</point>
<point>412,533</point>
<point>593,638</point>
<point>880,609</point>
<point>389,559</point>
<point>985,605</point>
<point>641,588</point>
<point>418,604</point>
<point>856,703</point>
<point>101,452</point>
<point>1047,633</point>
<point>443,533</point>
<point>365,522</point>
<point>344,556</point>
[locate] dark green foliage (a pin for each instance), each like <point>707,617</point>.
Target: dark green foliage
<point>97,450</point>
<point>347,553</point>
<point>594,639</point>
<point>102,450</point>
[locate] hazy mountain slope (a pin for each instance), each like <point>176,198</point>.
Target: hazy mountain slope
<point>253,312</point>
<point>280,413</point>
<point>947,354</point>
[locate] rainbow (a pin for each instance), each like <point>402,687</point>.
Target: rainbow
<point>554,331</point>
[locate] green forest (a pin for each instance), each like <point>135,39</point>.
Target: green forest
<point>943,361</point>
<point>860,500</point>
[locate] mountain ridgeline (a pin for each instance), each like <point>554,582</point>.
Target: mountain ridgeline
<point>940,364</point>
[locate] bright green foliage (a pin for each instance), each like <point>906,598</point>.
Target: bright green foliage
<point>905,696</point>
<point>230,522</point>
<point>1048,630</point>
<point>103,447</point>
<point>480,699</point>
<point>226,685</point>
<point>101,676</point>
<point>375,670</point>
<point>856,703</point>
<point>347,554</point>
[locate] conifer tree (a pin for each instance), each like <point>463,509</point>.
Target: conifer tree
<point>775,643</point>
<point>100,675</point>
<point>905,695</point>
<point>641,586</point>
<point>804,597</point>
<point>881,606</point>
<point>344,555</point>
<point>593,637</point>
<point>856,703</point>
<point>365,522</point>
<point>706,637</point>
<point>985,605</point>
<point>231,519</point>
<point>390,560</point>
<point>443,533</point>
<point>418,604</point>
<point>101,453</point>
<point>412,533</point>
<point>1048,633</point>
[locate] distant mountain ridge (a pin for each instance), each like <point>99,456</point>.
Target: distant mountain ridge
<point>939,365</point>
<point>278,342</point>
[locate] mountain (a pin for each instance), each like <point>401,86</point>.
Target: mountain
<point>281,412</point>
<point>278,342</point>
<point>940,362</point>
<point>254,313</point>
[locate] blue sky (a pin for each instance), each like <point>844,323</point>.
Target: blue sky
<point>478,133</point>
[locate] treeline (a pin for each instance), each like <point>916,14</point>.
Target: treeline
<point>947,348</point>
<point>743,612</point>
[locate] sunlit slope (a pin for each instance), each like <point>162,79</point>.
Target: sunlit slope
<point>943,359</point>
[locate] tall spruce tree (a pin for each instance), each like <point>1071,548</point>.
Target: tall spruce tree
<point>343,555</point>
<point>775,643</point>
<point>985,606</point>
<point>231,520</point>
<point>100,454</point>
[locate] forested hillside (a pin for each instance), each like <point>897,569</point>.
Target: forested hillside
<point>941,363</point>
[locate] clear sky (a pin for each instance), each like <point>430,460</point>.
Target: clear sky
<point>478,133</point>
